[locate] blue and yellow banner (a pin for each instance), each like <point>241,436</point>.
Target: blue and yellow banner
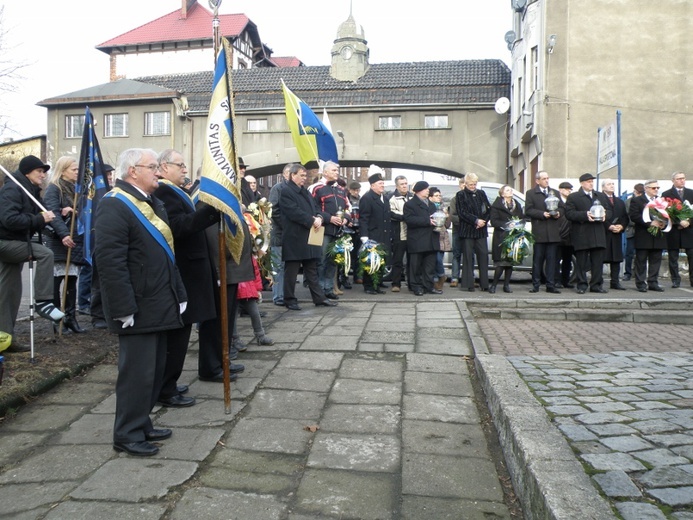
<point>312,138</point>
<point>220,185</point>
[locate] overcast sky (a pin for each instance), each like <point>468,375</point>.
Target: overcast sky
<point>56,39</point>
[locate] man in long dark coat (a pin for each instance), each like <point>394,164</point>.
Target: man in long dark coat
<point>681,234</point>
<point>299,214</point>
<point>422,240</point>
<point>143,295</point>
<point>587,235</point>
<point>375,220</point>
<point>614,229</point>
<point>187,224</point>
<point>648,247</point>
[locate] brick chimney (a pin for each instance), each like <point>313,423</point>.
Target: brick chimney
<point>186,5</point>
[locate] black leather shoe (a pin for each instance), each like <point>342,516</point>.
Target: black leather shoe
<point>138,449</point>
<point>581,291</point>
<point>346,284</point>
<point>641,289</point>
<point>418,292</point>
<point>331,296</point>
<point>470,289</point>
<point>293,306</point>
<point>219,378</point>
<point>507,289</point>
<point>675,285</point>
<point>552,290</point>
<point>492,289</point>
<point>158,435</point>
<point>599,290</point>
<point>236,368</point>
<point>177,401</point>
<point>655,288</point>
<point>326,303</point>
<point>280,303</point>
<point>182,389</point>
<point>569,286</point>
<point>99,324</point>
<point>618,287</point>
<point>626,277</point>
<point>434,291</point>
<point>372,291</point>
<point>534,290</point>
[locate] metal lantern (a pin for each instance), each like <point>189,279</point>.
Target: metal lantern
<point>551,204</point>
<point>439,217</point>
<point>597,211</point>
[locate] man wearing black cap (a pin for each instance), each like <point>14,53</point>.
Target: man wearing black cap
<point>587,234</point>
<point>564,258</point>
<point>20,219</point>
<point>422,241</point>
<point>374,213</point>
<point>247,195</point>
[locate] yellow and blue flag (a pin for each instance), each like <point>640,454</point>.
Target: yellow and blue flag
<point>220,184</point>
<point>312,138</point>
<point>91,184</point>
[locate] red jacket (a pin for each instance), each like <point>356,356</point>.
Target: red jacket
<point>248,290</point>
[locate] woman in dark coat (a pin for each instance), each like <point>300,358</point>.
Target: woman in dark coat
<point>422,241</point>
<point>299,214</point>
<point>60,199</point>
<point>503,209</point>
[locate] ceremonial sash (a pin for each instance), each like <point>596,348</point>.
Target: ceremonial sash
<point>156,227</point>
<point>179,191</point>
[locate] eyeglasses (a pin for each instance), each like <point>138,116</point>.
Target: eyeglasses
<point>181,165</point>
<point>152,167</point>
<point>652,187</point>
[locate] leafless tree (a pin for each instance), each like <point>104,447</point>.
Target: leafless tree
<point>9,69</point>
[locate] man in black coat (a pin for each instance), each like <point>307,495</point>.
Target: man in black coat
<point>299,214</point>
<point>614,229</point>
<point>648,247</point>
<point>143,295</point>
<point>422,241</point>
<point>474,212</point>
<point>546,228</point>
<point>564,258</point>
<point>187,224</point>
<point>374,214</point>
<point>587,234</point>
<point>681,234</point>
<point>276,238</point>
<point>20,218</point>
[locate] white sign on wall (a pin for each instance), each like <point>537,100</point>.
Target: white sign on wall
<point>607,148</point>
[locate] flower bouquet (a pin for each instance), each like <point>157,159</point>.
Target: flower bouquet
<point>679,211</point>
<point>372,261</point>
<point>340,252</point>
<point>656,213</point>
<point>257,216</point>
<point>517,242</point>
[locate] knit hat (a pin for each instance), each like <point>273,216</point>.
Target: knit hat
<point>420,186</point>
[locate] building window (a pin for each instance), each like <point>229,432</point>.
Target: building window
<point>436,121</point>
<point>535,68</point>
<point>157,123</point>
<point>115,125</point>
<point>389,122</point>
<point>74,126</point>
<point>257,125</point>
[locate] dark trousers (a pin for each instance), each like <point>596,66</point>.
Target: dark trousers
<point>141,362</point>
<point>456,256</point>
<point>674,265</point>
<point>84,290</point>
<point>310,274</point>
<point>628,256</point>
<point>176,348</point>
<point>209,360</point>
<point>646,267</point>
<point>594,260</point>
<point>614,271</point>
<point>96,303</point>
<point>564,264</point>
<point>422,270</point>
<point>545,254</point>
<point>470,248</point>
<point>399,250</point>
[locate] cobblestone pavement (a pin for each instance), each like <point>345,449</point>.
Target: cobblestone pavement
<point>622,395</point>
<point>362,411</point>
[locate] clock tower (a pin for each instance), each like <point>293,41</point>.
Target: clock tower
<point>349,52</point>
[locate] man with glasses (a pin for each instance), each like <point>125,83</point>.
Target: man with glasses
<point>681,234</point>
<point>648,247</point>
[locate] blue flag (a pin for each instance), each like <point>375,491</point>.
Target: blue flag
<point>220,183</point>
<point>91,184</point>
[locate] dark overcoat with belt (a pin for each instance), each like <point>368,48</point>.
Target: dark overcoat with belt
<point>680,238</point>
<point>614,241</point>
<point>586,234</point>
<point>420,235</point>
<point>545,230</point>
<point>500,215</point>
<point>137,276</point>
<point>642,238</point>
<point>298,209</point>
<point>375,219</point>
<point>192,253</point>
<point>55,199</point>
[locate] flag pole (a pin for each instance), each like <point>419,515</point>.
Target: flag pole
<point>223,289</point>
<point>67,262</point>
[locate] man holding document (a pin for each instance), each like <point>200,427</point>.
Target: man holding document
<point>302,226</point>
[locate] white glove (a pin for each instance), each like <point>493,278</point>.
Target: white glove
<point>128,321</point>
<point>364,240</point>
<point>182,306</point>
